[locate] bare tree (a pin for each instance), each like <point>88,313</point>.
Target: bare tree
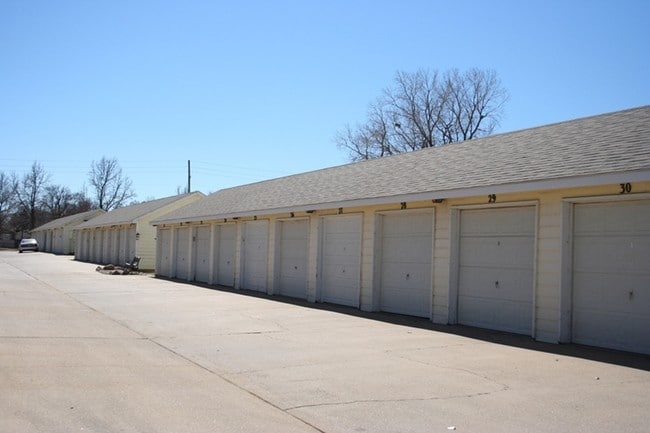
<point>423,110</point>
<point>8,186</point>
<point>57,201</point>
<point>28,194</point>
<point>112,188</point>
<point>80,203</point>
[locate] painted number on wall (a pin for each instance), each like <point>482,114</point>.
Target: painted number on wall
<point>626,188</point>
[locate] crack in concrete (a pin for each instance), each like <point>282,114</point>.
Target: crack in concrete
<point>446,367</point>
<point>396,400</point>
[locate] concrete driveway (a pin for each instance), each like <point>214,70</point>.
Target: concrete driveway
<point>84,351</point>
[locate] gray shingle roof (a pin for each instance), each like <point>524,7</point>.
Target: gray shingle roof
<point>70,219</point>
<point>131,214</point>
<point>576,151</point>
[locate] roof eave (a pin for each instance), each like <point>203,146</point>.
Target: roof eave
<point>534,185</point>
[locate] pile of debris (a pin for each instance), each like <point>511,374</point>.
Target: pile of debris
<point>131,267</point>
<point>115,270</point>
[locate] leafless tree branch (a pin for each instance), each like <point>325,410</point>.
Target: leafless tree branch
<point>422,110</point>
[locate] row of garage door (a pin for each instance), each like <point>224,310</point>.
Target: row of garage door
<point>495,266</point>
<point>112,245</point>
<point>609,272</point>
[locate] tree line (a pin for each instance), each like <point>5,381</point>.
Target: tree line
<point>30,200</point>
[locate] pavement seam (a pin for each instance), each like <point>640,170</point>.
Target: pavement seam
<point>187,359</point>
<point>391,400</point>
<point>235,384</point>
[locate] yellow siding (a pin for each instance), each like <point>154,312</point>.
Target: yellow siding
<point>145,244</point>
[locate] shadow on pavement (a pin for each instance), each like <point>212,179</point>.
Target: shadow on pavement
<point>615,357</point>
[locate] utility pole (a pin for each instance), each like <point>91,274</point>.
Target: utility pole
<point>189,176</point>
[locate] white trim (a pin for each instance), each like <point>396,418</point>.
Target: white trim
<point>566,272</point>
<point>496,205</point>
<point>608,198</point>
<point>409,211</point>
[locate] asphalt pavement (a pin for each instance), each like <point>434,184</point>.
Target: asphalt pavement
<point>85,351</point>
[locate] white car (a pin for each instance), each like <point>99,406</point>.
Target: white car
<point>28,245</point>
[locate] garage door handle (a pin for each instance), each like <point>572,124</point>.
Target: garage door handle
<point>631,294</point>
<point>496,284</point>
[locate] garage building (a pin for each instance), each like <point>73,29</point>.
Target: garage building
<point>117,236</point>
<point>58,236</point>
<point>543,232</point>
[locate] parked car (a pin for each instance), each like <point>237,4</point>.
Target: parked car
<point>28,245</point>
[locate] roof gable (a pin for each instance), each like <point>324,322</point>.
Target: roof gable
<point>131,214</point>
<point>70,220</point>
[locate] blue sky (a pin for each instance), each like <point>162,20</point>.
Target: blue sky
<point>252,90</point>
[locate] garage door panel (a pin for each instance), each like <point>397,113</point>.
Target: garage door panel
<point>618,219</point>
<point>225,255</point>
<point>618,292</point>
<point>341,246</point>
<point>182,252</point>
<point>496,263</point>
<point>611,275</point>
<point>294,241</point>
<point>409,304</point>
<point>165,247</point>
<point>406,263</point>
<point>407,249</point>
<point>202,259</point>
<point>407,225</point>
<point>506,221</point>
<point>255,255</point>
<point>493,283</point>
<point>341,260</point>
<point>632,253</point>
<point>497,251</point>
<point>595,326</point>
<point>498,314</point>
<point>404,275</point>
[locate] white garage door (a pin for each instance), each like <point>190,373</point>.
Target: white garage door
<point>107,246</point>
<point>182,255</point>
<point>406,263</point>
<point>341,260</point>
<point>202,254</point>
<point>164,251</point>
<point>130,242</point>
<point>98,238</point>
<point>121,235</point>
<point>87,248</point>
<point>292,259</point>
<point>82,254</point>
<point>111,249</point>
<point>119,246</point>
<point>225,255</point>
<point>497,252</point>
<point>255,247</point>
<point>611,275</point>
